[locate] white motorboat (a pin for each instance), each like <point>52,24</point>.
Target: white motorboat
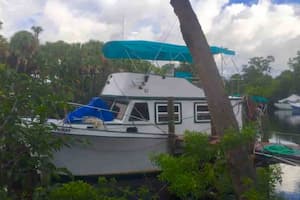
<point>285,104</point>
<point>130,123</point>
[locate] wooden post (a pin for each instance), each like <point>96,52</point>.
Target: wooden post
<point>213,129</point>
<point>171,127</point>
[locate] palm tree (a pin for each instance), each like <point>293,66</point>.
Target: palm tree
<point>36,30</point>
<point>3,49</point>
<point>22,47</point>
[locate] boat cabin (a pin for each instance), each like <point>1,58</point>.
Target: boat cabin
<point>139,104</point>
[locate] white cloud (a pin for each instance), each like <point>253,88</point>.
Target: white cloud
<point>71,27</point>
<point>207,11</point>
<point>17,14</point>
<point>258,30</point>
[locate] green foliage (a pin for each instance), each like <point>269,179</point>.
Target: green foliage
<point>139,66</point>
<point>283,84</point>
<point>232,139</point>
<point>256,79</point>
<point>287,82</point>
<point>22,44</point>
<point>106,189</point>
<point>78,190</point>
<point>267,178</point>
<point>59,63</point>
<point>26,141</point>
<point>188,67</point>
<point>260,64</point>
<point>36,30</point>
<point>35,79</point>
<point>3,194</point>
<point>167,68</point>
<point>80,70</point>
<point>201,172</point>
<point>3,49</point>
<point>294,64</point>
<point>182,67</point>
<point>22,47</point>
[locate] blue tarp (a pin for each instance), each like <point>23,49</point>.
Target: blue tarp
<point>148,50</point>
<point>78,115</point>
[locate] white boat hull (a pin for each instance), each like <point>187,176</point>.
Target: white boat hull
<point>283,106</point>
<point>104,155</point>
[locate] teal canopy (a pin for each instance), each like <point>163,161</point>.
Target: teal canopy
<point>259,99</point>
<point>148,50</point>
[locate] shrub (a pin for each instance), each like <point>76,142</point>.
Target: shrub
<point>201,172</point>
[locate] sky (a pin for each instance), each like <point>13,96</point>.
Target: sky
<point>250,27</point>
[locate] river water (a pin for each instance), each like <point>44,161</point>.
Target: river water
<point>284,128</point>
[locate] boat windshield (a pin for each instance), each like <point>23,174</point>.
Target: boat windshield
<point>119,108</point>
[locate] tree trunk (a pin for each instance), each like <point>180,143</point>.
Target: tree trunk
<point>239,162</point>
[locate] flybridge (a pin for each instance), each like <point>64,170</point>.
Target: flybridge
<point>149,50</point>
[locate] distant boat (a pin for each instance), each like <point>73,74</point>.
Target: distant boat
<point>295,108</point>
<point>285,104</point>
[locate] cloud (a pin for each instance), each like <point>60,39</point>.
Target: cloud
<point>18,15</point>
<point>251,28</point>
<point>72,26</point>
<point>259,30</point>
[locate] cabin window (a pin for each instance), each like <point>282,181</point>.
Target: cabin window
<point>139,112</point>
<point>119,108</point>
<point>201,112</point>
<point>161,113</point>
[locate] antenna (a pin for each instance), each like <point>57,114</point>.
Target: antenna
<point>123,26</point>
<point>222,62</point>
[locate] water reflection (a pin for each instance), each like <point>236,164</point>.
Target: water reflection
<point>290,176</point>
<point>285,129</point>
<point>290,186</point>
<point>288,116</point>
